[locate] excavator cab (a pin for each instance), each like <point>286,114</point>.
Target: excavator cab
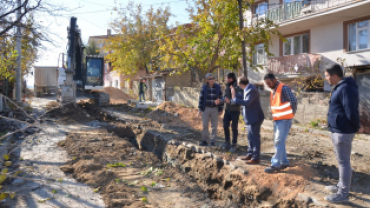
<point>94,72</point>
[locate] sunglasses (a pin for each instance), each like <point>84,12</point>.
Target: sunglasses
<point>211,78</point>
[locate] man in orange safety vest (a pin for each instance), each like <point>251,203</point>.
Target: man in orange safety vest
<point>283,107</point>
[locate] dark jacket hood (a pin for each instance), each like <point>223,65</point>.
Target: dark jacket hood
<point>348,81</point>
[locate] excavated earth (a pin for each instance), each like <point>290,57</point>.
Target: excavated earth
<point>140,163</point>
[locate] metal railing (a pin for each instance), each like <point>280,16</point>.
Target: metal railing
<point>295,9</point>
<point>294,64</point>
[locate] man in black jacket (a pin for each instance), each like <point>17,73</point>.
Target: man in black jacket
<point>232,113</point>
<point>344,122</point>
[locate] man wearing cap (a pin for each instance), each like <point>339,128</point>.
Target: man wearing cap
<point>210,108</point>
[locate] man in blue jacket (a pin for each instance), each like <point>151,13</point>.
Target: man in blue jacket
<point>344,122</point>
<point>253,117</point>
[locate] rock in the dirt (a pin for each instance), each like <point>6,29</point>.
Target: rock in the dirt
<point>305,197</point>
<point>67,169</point>
<point>176,115</point>
<point>18,182</point>
<point>11,114</point>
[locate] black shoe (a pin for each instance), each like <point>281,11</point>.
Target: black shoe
<point>203,143</point>
<point>271,169</point>
<point>282,167</point>
<point>212,144</point>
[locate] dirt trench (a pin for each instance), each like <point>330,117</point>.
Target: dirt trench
<point>133,167</point>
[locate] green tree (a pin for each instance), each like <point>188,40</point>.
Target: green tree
<point>92,48</point>
<point>8,54</point>
<point>213,39</point>
<point>136,45</point>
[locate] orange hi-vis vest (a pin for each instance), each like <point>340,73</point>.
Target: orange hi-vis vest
<point>280,110</point>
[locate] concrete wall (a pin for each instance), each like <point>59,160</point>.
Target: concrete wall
<point>311,106</point>
<point>328,41</point>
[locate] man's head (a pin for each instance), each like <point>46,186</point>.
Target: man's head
<point>270,80</point>
<point>334,74</point>
<point>210,79</point>
<point>230,77</point>
<point>243,82</point>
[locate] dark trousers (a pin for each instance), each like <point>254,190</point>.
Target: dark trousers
<point>141,95</point>
<point>231,116</point>
<point>254,140</point>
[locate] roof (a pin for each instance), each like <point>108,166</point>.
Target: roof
<point>359,66</point>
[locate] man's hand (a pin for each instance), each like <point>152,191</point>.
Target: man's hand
<point>227,100</point>
<point>217,102</point>
<point>199,114</point>
<point>361,130</point>
<point>219,113</point>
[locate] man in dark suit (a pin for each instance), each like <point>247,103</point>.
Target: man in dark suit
<point>253,117</point>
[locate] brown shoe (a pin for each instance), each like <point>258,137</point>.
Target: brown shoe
<point>246,158</point>
<point>252,162</point>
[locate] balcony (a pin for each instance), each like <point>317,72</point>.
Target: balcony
<point>296,9</point>
<point>295,64</point>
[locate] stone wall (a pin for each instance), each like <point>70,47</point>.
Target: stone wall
<point>311,106</point>
<point>179,80</point>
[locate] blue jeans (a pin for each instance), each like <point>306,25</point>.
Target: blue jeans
<point>141,94</point>
<point>231,116</point>
<point>281,132</point>
<point>254,140</point>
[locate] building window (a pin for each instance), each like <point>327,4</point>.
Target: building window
<point>116,83</point>
<point>297,44</point>
<point>358,35</point>
<point>260,9</point>
<point>259,56</point>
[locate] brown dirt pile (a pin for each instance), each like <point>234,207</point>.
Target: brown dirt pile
<point>125,176</point>
<point>116,94</point>
<point>250,189</point>
<point>187,117</point>
<point>84,111</point>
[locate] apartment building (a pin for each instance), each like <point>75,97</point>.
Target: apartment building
<point>318,33</point>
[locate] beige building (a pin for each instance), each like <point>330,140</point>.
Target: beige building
<point>319,33</point>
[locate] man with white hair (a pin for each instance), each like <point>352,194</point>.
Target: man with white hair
<point>209,106</point>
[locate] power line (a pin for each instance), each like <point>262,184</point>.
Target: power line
<point>92,23</point>
<point>164,2</point>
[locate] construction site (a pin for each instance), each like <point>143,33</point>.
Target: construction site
<point>124,156</point>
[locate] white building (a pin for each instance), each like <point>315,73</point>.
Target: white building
<point>320,32</point>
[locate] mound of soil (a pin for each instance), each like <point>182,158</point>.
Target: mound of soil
<point>173,114</point>
<point>116,94</point>
<point>84,111</point>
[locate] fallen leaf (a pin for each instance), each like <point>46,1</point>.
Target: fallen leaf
<point>96,190</point>
<point>6,157</point>
<point>12,195</point>
<point>8,163</point>
<point>43,200</point>
<point>3,196</point>
<point>5,170</point>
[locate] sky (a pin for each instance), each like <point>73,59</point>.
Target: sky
<point>93,18</point>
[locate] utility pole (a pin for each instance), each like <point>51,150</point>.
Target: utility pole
<point>18,78</point>
<point>241,25</point>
